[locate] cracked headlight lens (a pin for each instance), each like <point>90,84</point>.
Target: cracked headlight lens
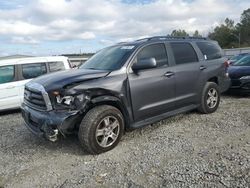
<point>64,100</point>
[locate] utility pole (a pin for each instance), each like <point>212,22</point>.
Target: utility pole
<point>239,39</point>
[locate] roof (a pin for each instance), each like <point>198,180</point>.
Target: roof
<point>164,38</point>
<point>15,56</point>
<point>31,60</point>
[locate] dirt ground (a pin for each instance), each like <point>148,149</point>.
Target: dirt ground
<point>188,150</point>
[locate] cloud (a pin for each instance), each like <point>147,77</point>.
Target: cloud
<point>24,40</point>
<point>37,21</point>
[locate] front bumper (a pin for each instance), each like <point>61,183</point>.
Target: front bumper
<point>49,124</point>
<point>242,85</point>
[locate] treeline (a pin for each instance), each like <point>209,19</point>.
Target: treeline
<point>228,34</point>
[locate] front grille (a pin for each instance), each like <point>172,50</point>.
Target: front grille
<point>34,99</point>
<point>246,86</point>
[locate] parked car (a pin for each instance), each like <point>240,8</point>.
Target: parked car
<point>239,73</point>
<point>14,73</point>
<point>126,86</point>
<point>237,57</point>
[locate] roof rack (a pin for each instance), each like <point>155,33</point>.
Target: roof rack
<point>170,37</point>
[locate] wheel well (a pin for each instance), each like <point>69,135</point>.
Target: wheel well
<point>114,104</point>
<point>213,79</point>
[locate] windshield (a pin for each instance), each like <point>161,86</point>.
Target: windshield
<point>236,58</point>
<point>245,61</point>
<point>111,58</point>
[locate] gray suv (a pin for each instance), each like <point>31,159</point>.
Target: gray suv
<point>126,86</point>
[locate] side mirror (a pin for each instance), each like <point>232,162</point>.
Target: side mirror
<point>148,63</point>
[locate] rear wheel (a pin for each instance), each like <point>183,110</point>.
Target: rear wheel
<point>210,98</point>
<point>101,129</point>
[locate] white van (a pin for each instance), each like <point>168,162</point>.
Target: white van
<point>15,73</point>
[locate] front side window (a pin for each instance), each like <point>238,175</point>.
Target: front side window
<point>56,66</point>
<point>210,50</point>
<point>33,70</point>
<point>157,51</point>
<point>7,74</point>
<point>183,53</point>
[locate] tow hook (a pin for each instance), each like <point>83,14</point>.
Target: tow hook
<point>54,136</point>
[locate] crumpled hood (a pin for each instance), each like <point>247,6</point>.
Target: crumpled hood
<point>238,71</point>
<point>61,79</point>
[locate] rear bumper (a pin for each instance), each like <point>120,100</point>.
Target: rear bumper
<point>225,84</point>
<point>49,124</point>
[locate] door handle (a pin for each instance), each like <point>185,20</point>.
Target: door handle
<point>202,67</point>
<point>10,87</point>
<point>169,74</point>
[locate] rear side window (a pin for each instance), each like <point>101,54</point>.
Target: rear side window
<point>157,51</point>
<point>210,50</point>
<point>7,74</point>
<point>56,66</point>
<point>33,70</point>
<point>183,53</point>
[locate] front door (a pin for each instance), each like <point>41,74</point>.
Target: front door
<point>152,90</point>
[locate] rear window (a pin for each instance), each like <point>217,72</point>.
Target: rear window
<point>210,50</point>
<point>33,70</point>
<point>183,53</point>
<point>7,74</point>
<point>56,66</point>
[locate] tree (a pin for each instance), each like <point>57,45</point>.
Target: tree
<point>230,35</point>
<point>196,34</point>
<point>225,34</point>
<point>179,33</point>
<point>243,28</point>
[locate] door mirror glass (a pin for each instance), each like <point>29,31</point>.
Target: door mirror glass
<point>147,63</point>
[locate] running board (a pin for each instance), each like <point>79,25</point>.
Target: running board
<point>162,116</point>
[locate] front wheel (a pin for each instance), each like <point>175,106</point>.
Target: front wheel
<point>210,98</point>
<point>101,129</point>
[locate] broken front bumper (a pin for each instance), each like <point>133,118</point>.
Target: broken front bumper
<point>49,124</point>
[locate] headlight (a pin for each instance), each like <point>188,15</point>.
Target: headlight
<point>64,100</point>
<point>68,100</point>
<point>245,78</point>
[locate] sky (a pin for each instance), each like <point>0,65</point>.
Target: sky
<point>53,27</point>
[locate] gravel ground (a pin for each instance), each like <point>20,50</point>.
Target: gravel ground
<point>188,150</point>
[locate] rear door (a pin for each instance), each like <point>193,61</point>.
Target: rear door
<point>152,90</point>
<point>187,73</point>
<point>9,97</point>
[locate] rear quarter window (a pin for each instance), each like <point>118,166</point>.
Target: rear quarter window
<point>210,50</point>
<point>56,66</point>
<point>7,74</point>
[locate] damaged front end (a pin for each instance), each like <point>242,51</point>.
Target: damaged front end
<point>49,124</point>
<point>51,114</point>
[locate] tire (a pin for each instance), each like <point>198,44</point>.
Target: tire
<point>209,104</point>
<point>101,129</point>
